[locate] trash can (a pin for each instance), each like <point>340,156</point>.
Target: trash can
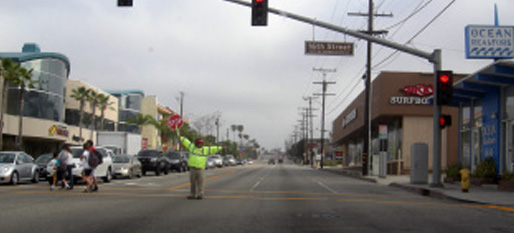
<point>419,163</point>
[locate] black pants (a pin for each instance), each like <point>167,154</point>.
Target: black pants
<point>70,174</point>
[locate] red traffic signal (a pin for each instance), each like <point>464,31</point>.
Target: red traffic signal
<point>444,87</point>
<point>259,12</point>
<point>445,120</point>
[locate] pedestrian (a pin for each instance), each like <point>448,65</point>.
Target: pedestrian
<point>93,176</point>
<point>65,166</point>
<point>86,173</point>
<point>53,165</point>
<point>196,164</point>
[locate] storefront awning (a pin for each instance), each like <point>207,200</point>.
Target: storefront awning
<point>474,86</point>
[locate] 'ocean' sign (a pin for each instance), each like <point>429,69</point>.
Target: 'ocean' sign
<point>489,41</point>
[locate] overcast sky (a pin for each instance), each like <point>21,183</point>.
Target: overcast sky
<point>254,76</point>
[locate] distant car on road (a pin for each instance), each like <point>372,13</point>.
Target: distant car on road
<point>271,161</point>
<point>126,166</point>
<point>17,166</point>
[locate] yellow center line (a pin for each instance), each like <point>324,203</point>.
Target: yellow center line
<point>206,179</point>
<point>249,197</point>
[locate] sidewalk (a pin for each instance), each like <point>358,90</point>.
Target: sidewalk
<point>485,194</point>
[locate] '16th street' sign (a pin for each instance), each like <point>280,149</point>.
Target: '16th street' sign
<point>328,48</point>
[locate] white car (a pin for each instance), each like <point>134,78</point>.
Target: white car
<point>104,170</point>
<point>218,161</point>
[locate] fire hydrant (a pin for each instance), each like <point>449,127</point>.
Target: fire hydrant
<point>464,179</point>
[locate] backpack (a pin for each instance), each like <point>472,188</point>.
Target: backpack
<point>95,159</point>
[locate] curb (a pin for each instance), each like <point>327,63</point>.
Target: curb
<point>352,174</point>
<point>434,193</point>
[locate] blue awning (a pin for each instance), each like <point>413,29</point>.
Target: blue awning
<point>474,86</point>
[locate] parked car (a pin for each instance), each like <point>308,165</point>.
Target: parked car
<point>218,161</point>
<point>17,166</point>
<point>103,170</point>
<point>228,160</point>
<point>126,166</point>
<point>210,163</point>
<point>41,162</point>
<point>271,161</point>
<point>153,160</point>
<point>177,160</point>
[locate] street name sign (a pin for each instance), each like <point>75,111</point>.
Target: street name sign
<point>484,41</point>
<point>328,48</point>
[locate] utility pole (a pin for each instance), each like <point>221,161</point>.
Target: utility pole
<point>324,87</point>
<point>181,102</point>
<point>309,114</point>
<point>217,131</point>
<point>367,80</point>
<point>434,57</point>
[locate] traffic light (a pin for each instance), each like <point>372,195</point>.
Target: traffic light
<point>125,3</point>
<point>259,12</point>
<point>445,120</point>
<point>444,87</point>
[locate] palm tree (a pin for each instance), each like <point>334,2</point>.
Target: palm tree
<point>80,94</point>
<point>141,120</point>
<point>240,128</point>
<point>234,128</point>
<point>8,70</point>
<point>93,101</point>
<point>103,102</point>
<point>23,80</point>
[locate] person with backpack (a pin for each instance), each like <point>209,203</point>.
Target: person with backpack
<point>86,173</point>
<point>95,160</point>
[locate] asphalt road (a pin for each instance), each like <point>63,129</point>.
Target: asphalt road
<point>251,198</point>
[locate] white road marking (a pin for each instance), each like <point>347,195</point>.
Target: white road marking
<point>325,186</point>
<point>256,184</point>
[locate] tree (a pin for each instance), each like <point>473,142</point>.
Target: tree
<point>240,129</point>
<point>234,128</point>
<point>93,101</point>
<point>9,70</point>
<point>103,104</point>
<point>23,81</point>
<point>141,120</point>
<point>80,94</point>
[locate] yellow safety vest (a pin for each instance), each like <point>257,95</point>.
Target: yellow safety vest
<point>198,156</point>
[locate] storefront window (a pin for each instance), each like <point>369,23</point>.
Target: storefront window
<point>46,99</point>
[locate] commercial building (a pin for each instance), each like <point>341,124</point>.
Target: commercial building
<point>485,100</point>
<point>399,101</point>
<point>43,111</point>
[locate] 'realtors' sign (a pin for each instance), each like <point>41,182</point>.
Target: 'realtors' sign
<point>416,94</point>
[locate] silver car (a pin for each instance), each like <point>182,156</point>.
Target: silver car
<point>17,166</point>
<point>126,166</point>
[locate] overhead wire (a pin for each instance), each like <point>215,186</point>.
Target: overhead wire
<point>418,33</point>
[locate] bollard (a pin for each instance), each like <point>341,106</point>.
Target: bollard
<point>464,177</point>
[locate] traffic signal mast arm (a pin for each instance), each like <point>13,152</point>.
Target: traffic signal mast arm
<point>434,58</point>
